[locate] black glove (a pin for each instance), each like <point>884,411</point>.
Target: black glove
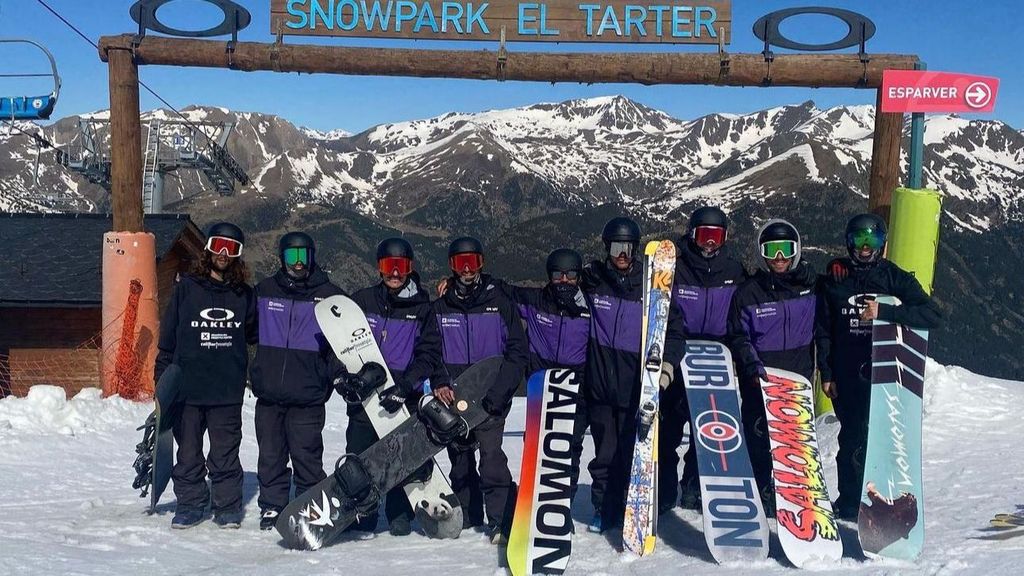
<point>392,399</point>
<point>492,406</point>
<point>355,388</point>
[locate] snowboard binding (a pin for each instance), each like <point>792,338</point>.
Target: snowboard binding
<point>355,388</point>
<point>355,486</point>
<point>443,425</point>
<point>646,415</point>
<point>144,461</point>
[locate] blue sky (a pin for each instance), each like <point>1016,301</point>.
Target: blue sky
<point>952,35</point>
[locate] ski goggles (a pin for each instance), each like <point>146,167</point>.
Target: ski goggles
<point>616,249</point>
<point>470,261</point>
<point>557,275</point>
<point>222,245</point>
<point>394,266</point>
<point>293,256</point>
<point>870,237</point>
<point>709,236</point>
<point>778,249</point>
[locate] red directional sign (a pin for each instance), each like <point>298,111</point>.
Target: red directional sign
<point>944,92</point>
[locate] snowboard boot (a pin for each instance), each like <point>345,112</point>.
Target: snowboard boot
<point>497,536</point>
<point>768,502</point>
<point>268,518</point>
<point>845,510</point>
<point>187,518</point>
<point>400,526</point>
<point>231,519</point>
<point>689,497</point>
<point>595,524</point>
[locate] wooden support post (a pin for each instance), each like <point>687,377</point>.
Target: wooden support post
<point>809,70</point>
<point>125,142</point>
<point>885,159</point>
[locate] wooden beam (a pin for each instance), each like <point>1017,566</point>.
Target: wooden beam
<point>125,142</point>
<point>804,70</point>
<point>885,159</point>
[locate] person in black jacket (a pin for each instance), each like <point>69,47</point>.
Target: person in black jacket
<point>291,375</point>
<point>557,319</point>
<point>612,373</point>
<point>205,328</point>
<point>846,310</point>
<point>706,277</point>
<point>478,320</point>
<point>771,324</point>
<point>398,311</point>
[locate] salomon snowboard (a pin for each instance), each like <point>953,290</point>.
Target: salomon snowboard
<point>640,522</point>
<point>542,528</point>
<point>347,331</point>
<point>807,527</point>
<point>358,483</point>
<point>155,454</point>
<point>891,519</point>
<point>735,527</point>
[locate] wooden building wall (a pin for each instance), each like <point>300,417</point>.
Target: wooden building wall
<point>49,345</point>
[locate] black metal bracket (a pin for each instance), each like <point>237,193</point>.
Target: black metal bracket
<point>236,18</point>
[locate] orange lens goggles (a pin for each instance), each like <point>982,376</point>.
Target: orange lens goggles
<point>227,246</point>
<point>466,261</point>
<point>394,266</point>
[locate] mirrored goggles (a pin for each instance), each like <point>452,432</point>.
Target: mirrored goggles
<point>293,256</point>
<point>557,275</point>
<point>470,261</point>
<point>870,237</point>
<point>778,249</point>
<point>709,236</point>
<point>616,249</point>
<point>221,245</point>
<point>394,266</point>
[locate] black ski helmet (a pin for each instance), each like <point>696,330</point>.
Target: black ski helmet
<point>226,230</point>
<point>778,229</point>
<point>861,222</point>
<point>708,216</point>
<point>297,240</point>
<point>464,245</point>
<point>394,248</point>
<point>564,260</point>
<point>621,229</point>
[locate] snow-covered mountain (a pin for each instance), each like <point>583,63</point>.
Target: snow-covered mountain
<point>528,179</point>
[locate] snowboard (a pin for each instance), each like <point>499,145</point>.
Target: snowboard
<point>806,525</point>
<point>735,527</point>
<point>347,331</point>
<point>322,513</point>
<point>891,519</point>
<point>542,528</point>
<point>1005,521</point>
<point>640,522</point>
<point>155,454</point>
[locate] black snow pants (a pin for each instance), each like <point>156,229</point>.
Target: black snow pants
<point>286,432</point>
<point>224,424</point>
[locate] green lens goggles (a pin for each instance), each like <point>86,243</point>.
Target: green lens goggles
<point>293,256</point>
<point>776,248</point>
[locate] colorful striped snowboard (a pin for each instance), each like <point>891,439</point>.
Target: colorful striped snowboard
<point>542,528</point>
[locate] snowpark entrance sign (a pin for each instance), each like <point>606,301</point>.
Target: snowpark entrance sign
<point>941,92</point>
<point>625,21</point>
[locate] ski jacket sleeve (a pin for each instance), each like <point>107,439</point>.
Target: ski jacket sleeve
<point>426,353</point>
<point>823,331</point>
<point>675,338</point>
<point>168,334</point>
<point>918,310</point>
<point>252,319</point>
<point>516,358</point>
<point>748,363</point>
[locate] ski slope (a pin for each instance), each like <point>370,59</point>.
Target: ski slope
<point>68,506</point>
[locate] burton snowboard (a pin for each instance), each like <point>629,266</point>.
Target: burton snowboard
<point>807,526</point>
<point>358,483</point>
<point>156,451</point>
<point>640,522</point>
<point>891,519</point>
<point>735,527</point>
<point>542,528</point>
<point>347,331</point>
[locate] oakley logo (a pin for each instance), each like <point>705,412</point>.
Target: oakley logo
<point>217,314</point>
<point>359,332</point>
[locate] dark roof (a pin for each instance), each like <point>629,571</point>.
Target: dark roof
<point>55,259</point>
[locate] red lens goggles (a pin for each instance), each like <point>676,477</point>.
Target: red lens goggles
<point>394,266</point>
<point>470,261</point>
<point>709,236</point>
<point>221,245</point>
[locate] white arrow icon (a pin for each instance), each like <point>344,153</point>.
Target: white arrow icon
<point>977,95</point>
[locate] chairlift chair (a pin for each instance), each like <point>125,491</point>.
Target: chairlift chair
<point>30,107</point>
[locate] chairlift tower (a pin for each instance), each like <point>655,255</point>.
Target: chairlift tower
<point>168,145</point>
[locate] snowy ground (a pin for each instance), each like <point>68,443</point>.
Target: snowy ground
<point>67,506</point>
